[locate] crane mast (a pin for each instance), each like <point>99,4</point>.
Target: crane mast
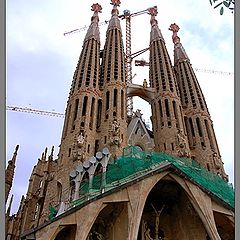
<point>127,15</point>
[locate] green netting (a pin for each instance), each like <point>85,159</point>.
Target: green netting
<point>135,163</point>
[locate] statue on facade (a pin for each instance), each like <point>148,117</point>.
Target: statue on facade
<point>216,160</point>
<point>78,147</point>
<point>115,133</point>
<point>181,144</point>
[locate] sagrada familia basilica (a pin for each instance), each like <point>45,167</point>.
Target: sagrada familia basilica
<point>116,179</point>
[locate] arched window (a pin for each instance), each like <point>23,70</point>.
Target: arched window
<point>59,192</point>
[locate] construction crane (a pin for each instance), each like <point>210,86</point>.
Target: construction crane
<point>127,15</point>
<point>143,63</point>
<point>35,111</point>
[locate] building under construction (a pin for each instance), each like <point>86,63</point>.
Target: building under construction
<point>116,179</point>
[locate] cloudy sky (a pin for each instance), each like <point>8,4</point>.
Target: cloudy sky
<point>41,62</point>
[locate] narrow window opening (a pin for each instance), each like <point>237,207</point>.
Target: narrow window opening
<point>165,147</point>
<point>84,109</point>
<point>99,113</point>
<point>96,147</point>
<point>69,152</point>
<point>209,134</point>
<point>191,126</point>
<point>107,100</point>
<point>172,146</point>
<point>88,149</point>
<point>115,98</point>
<point>199,127</point>
<point>167,108</point>
<point>105,139</point>
<point>122,104</point>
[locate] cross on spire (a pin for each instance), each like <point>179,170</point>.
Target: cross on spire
<point>96,8</point>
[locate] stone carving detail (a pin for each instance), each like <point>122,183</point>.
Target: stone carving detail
<point>78,148</point>
<point>217,161</point>
<point>115,138</point>
<point>182,144</point>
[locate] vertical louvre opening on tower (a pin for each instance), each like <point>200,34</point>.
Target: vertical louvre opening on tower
<point>99,113</point>
<point>116,55</point>
<point>96,147</point>
<point>209,134</point>
<point>161,112</point>
<point>191,126</point>
<point>76,109</point>
<point>175,113</point>
<point>122,104</point>
<point>115,98</point>
<point>95,76</point>
<point>67,120</point>
<point>107,100</point>
<point>199,127</point>
<point>89,64</point>
<point>92,113</point>
<point>75,113</point>
<point>84,109</point>
<point>168,113</point>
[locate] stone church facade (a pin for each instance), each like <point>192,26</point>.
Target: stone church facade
<point>114,178</point>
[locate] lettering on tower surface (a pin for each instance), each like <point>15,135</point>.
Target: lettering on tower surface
<point>115,138</point>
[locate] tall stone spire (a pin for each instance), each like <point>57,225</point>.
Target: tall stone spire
<point>80,131</point>
<point>9,173</point>
<point>113,82</point>
<point>202,140</point>
<point>169,131</point>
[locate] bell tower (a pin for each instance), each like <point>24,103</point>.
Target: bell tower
<point>80,130</point>
<point>200,132</point>
<point>168,126</point>
<point>113,82</point>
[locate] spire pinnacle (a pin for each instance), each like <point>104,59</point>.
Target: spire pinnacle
<point>116,3</point>
<point>114,21</point>
<point>179,51</point>
<point>10,206</point>
<point>175,28</point>
<point>93,30</point>
<point>153,12</point>
<point>51,155</point>
<point>155,32</point>
<point>15,155</point>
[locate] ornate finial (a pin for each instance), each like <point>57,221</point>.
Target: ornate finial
<point>115,2</point>
<point>138,113</point>
<point>52,151</point>
<point>153,11</point>
<point>174,28</point>
<point>96,8</point>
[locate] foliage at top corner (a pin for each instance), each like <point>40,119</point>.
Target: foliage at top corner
<point>227,4</point>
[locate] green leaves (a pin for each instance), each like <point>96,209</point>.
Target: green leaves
<point>221,11</point>
<point>223,4</point>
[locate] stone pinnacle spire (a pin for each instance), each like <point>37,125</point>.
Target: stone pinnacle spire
<point>179,51</point>
<point>155,31</point>
<point>93,30</point>
<point>114,21</point>
<point>9,173</point>
<point>10,206</point>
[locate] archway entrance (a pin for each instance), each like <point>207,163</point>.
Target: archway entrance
<point>67,233</point>
<point>111,223</point>
<point>169,215</point>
